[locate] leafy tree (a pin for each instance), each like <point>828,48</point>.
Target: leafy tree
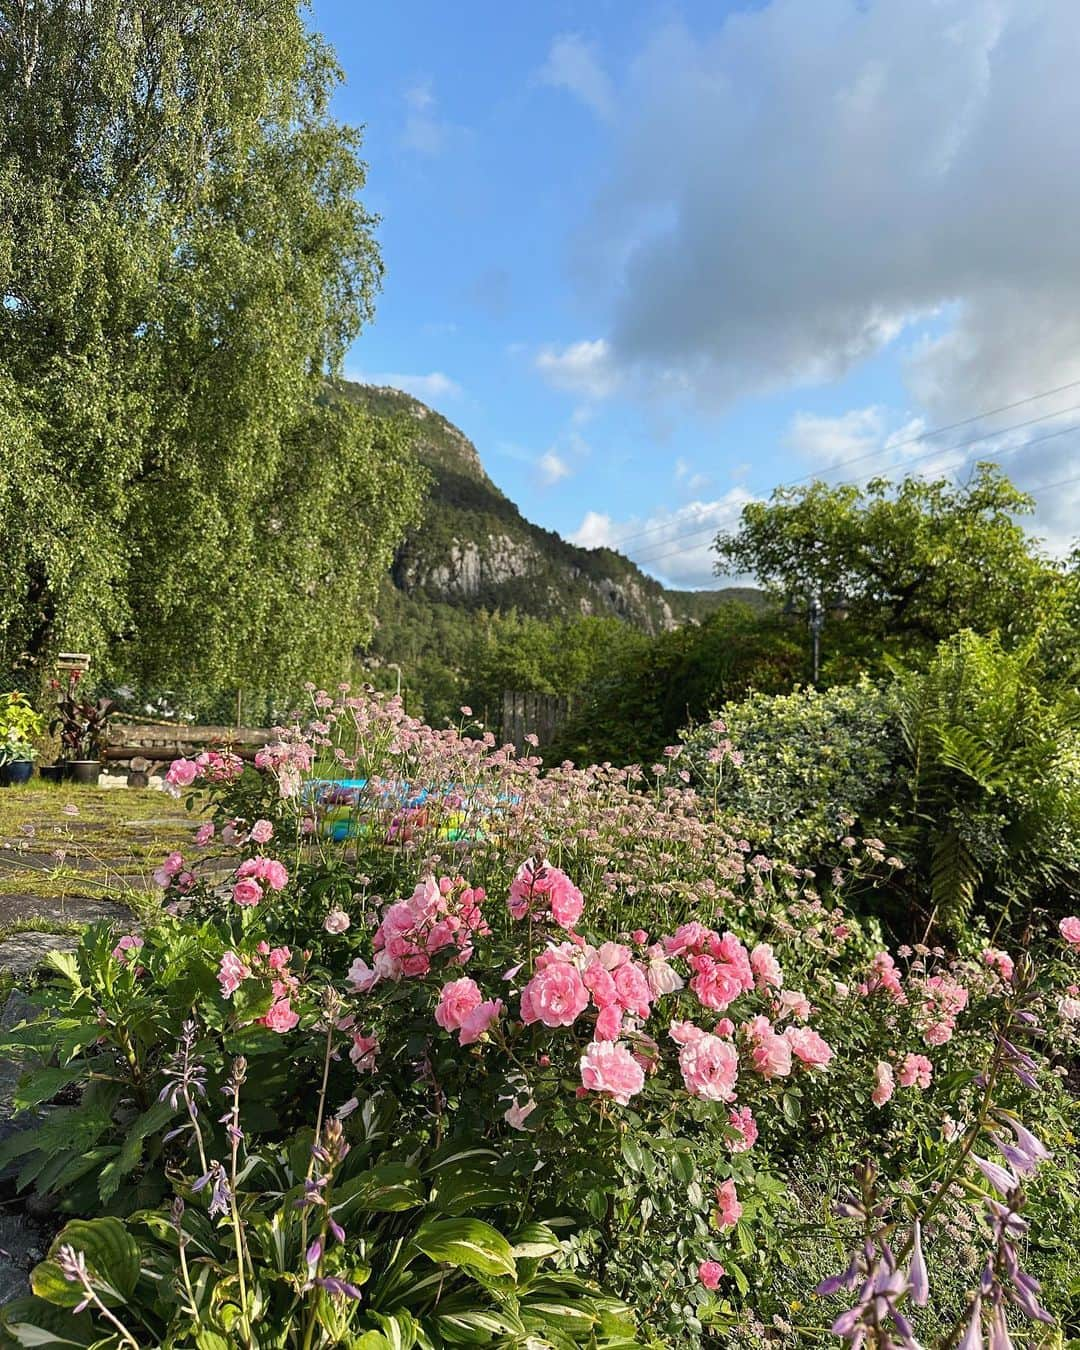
<point>657,685</point>
<point>183,257</point>
<point>913,563</point>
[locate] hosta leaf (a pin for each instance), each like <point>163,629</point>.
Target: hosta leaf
<point>112,1254</point>
<point>386,1189</point>
<point>32,1322</point>
<point>534,1241</point>
<point>462,1190</point>
<point>466,1242</point>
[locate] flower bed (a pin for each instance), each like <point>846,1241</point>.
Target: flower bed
<point>580,1069</point>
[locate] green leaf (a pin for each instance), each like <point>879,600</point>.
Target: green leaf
<point>386,1189</point>
<point>631,1152</point>
<point>791,1105</point>
<point>466,1242</point>
<point>466,1189</point>
<point>112,1257</point>
<point>32,1322</point>
<point>42,1085</point>
<point>150,1122</point>
<point>535,1241</point>
<point>210,1340</point>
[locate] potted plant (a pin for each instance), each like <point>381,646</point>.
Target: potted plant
<point>84,730</point>
<point>19,723</point>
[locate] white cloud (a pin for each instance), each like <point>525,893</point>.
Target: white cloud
<point>797,190</point>
<point>572,65</point>
<point>583,368</point>
<point>552,468</point>
<point>673,545</point>
<point>427,388</point>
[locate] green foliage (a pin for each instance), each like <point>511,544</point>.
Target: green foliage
<point>969,770</point>
<point>653,688</point>
<point>913,562</point>
<point>990,804</point>
<point>19,725</point>
<point>801,769</point>
<point>183,255</point>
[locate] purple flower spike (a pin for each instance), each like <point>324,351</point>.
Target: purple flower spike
<point>314,1252</point>
<point>972,1337</point>
<point>999,1177</point>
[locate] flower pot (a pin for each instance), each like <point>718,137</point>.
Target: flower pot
<point>83,771</point>
<point>52,773</point>
<point>16,771</point>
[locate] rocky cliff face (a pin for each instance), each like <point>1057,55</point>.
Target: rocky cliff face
<point>475,549</point>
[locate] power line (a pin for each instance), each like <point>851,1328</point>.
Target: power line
<point>700,535</point>
<point>915,440</point>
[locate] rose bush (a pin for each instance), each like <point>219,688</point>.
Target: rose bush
<point>668,1051</point>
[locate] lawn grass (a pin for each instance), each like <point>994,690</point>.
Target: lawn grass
<point>63,841</point>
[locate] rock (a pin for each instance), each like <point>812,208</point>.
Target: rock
<point>21,1248</point>
<point>15,909</point>
<point>22,953</point>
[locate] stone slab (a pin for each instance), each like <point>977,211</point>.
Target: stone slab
<point>16,909</point>
<point>22,953</point>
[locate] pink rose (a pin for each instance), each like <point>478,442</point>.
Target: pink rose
<point>262,832</point>
<point>769,1052</point>
<point>361,976</point>
<point>765,966</point>
<point>742,1120</point>
<point>808,1046</point>
<point>274,874</point>
<point>556,995</point>
<point>710,1273</point>
<point>883,1083</point>
<point>279,958</point>
<point>281,1017</point>
<point>609,1023</point>
<point>567,901</point>
<point>728,1209</point>
<point>709,1068</point>
<point>457,999</point>
<point>479,1020</point>
<point>794,1002</point>
<point>682,1033</point>
<point>662,976</point>
<point>247,892</point>
<point>611,1069</point>
<point>182,773</point>
<point>336,921</point>
<point>128,943</point>
<point>916,1070</point>
<point>363,1052</point>
<point>232,972</point>
<point>517,1113</point>
<point>1070,930</point>
<point>204,834</point>
<point>635,996</point>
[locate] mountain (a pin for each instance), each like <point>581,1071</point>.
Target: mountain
<point>474,548</point>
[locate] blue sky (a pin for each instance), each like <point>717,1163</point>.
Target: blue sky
<point>655,259</point>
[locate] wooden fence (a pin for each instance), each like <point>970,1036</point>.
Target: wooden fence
<point>540,714</point>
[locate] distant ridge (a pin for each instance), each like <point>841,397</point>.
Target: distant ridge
<point>475,549</point>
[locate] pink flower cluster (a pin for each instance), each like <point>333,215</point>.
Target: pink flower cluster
<point>267,961</point>
<point>463,1008</point>
<point>212,765</point>
<point>438,916</point>
<point>255,873</point>
<point>539,889</point>
<point>569,976</point>
<point>126,949</point>
<point>172,873</point>
<point>288,761</point>
<point>944,999</point>
<point>721,965</point>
